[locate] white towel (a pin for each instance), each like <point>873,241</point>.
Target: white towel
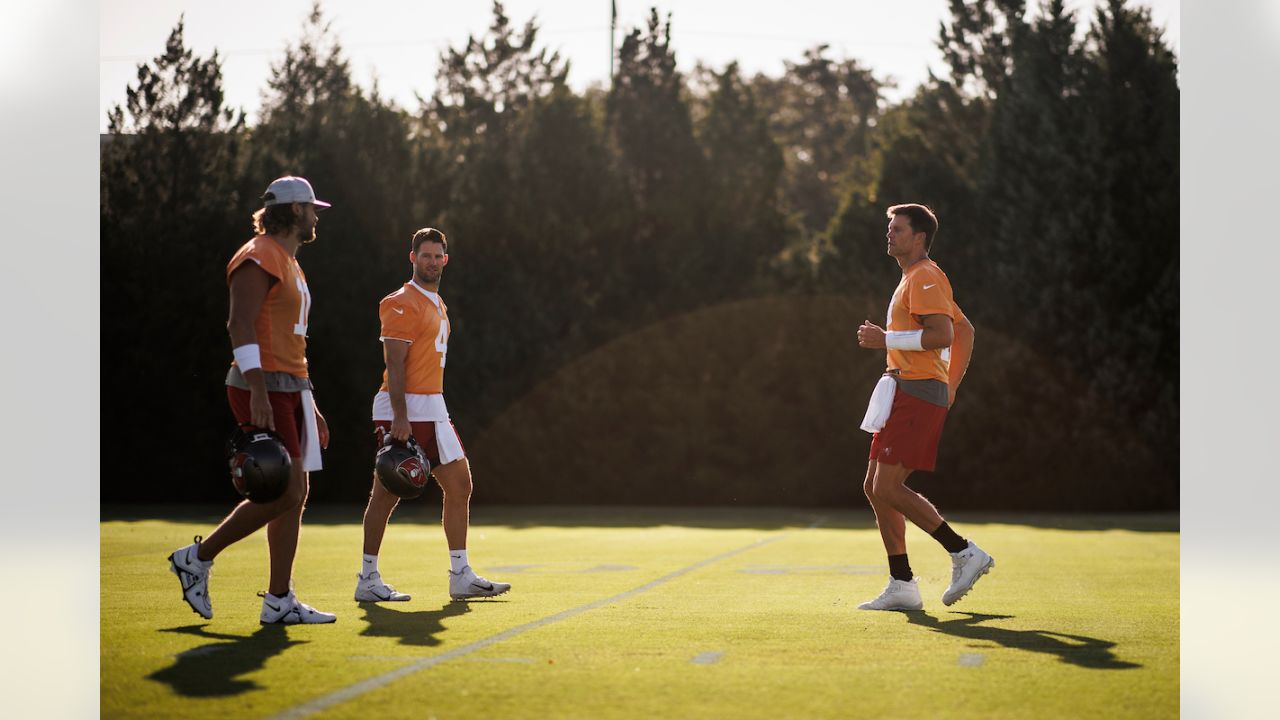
<point>447,443</point>
<point>880,405</point>
<point>310,438</point>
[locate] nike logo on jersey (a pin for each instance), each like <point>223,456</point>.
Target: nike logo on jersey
<point>399,310</point>
<point>926,287</point>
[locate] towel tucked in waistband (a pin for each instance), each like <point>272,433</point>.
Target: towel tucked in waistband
<point>880,405</point>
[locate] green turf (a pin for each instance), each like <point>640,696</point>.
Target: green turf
<point>1078,619</point>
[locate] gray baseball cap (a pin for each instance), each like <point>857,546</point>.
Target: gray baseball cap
<point>290,189</point>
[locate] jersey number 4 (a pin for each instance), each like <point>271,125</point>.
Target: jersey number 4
<point>442,340</point>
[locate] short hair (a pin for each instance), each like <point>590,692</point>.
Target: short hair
<point>428,235</point>
<point>275,219</point>
<point>921,218</point>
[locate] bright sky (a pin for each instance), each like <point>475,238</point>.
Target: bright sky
<point>400,41</point>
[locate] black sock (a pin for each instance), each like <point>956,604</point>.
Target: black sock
<point>949,539</point>
<point>899,568</point>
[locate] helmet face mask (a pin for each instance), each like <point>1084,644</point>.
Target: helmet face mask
<point>260,464</point>
<point>402,467</point>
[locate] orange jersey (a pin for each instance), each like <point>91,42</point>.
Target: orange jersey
<point>923,290</point>
<point>281,327</point>
<point>410,315</point>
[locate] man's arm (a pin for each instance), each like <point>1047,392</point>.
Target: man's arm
<point>395,352</point>
<point>249,287</point>
<point>937,333</point>
<point>961,352</point>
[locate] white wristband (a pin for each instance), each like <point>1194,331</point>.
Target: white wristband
<point>904,340</point>
<point>248,357</point>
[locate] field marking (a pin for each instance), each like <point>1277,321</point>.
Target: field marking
<point>707,658</point>
<point>812,569</point>
<point>342,695</point>
<point>972,659</point>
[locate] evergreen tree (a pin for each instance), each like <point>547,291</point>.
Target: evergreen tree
<point>823,111</point>
<point>168,169</point>
<point>651,130</point>
<point>746,222</point>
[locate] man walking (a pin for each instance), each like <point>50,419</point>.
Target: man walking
<point>929,342</point>
<point>268,387</point>
<point>415,343</point>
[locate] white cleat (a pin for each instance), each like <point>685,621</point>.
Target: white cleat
<point>288,610</point>
<point>966,567</point>
<point>466,584</point>
<point>370,588</point>
<point>193,573</point>
<point>898,595</point>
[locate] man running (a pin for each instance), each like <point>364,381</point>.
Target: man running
<point>929,342</point>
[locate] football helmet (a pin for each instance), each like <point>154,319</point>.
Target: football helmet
<point>260,464</point>
<point>402,467</point>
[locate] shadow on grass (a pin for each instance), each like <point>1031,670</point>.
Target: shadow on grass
<point>1078,650</point>
<point>426,511</point>
<point>415,627</point>
<point>215,670</point>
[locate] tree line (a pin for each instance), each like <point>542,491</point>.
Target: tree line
<point>580,219</point>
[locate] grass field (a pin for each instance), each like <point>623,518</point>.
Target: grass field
<point>651,613</point>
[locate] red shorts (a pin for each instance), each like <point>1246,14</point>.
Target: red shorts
<point>285,406</point>
<point>423,432</point>
<point>911,436</point>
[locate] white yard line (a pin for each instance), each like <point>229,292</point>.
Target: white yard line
<point>342,695</point>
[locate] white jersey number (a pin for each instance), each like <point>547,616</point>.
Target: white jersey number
<point>300,327</point>
<point>442,340</point>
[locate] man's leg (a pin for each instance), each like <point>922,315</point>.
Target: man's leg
<point>969,562</point>
<point>193,563</point>
<point>464,584</point>
<point>381,503</point>
<point>248,517</point>
<point>455,482</point>
<point>280,605</point>
<point>902,593</point>
<point>283,530</point>
<point>369,584</point>
<point>892,524</point>
<point>889,487</point>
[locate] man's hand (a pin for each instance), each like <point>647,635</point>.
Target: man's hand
<point>400,428</point>
<point>322,429</point>
<point>870,335</point>
<point>951,395</point>
<point>260,412</point>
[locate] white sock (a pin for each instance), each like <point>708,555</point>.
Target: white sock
<point>458,560</point>
<point>369,566</point>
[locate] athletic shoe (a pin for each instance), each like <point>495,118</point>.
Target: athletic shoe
<point>897,595</point>
<point>967,566</point>
<point>370,588</point>
<point>193,573</point>
<point>466,584</point>
<point>288,610</point>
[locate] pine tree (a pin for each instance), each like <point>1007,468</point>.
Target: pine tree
<point>746,223</point>
<point>169,166</point>
<point>651,130</point>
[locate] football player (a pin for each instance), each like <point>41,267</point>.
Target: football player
<point>928,343</point>
<point>415,345</point>
<point>268,386</point>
